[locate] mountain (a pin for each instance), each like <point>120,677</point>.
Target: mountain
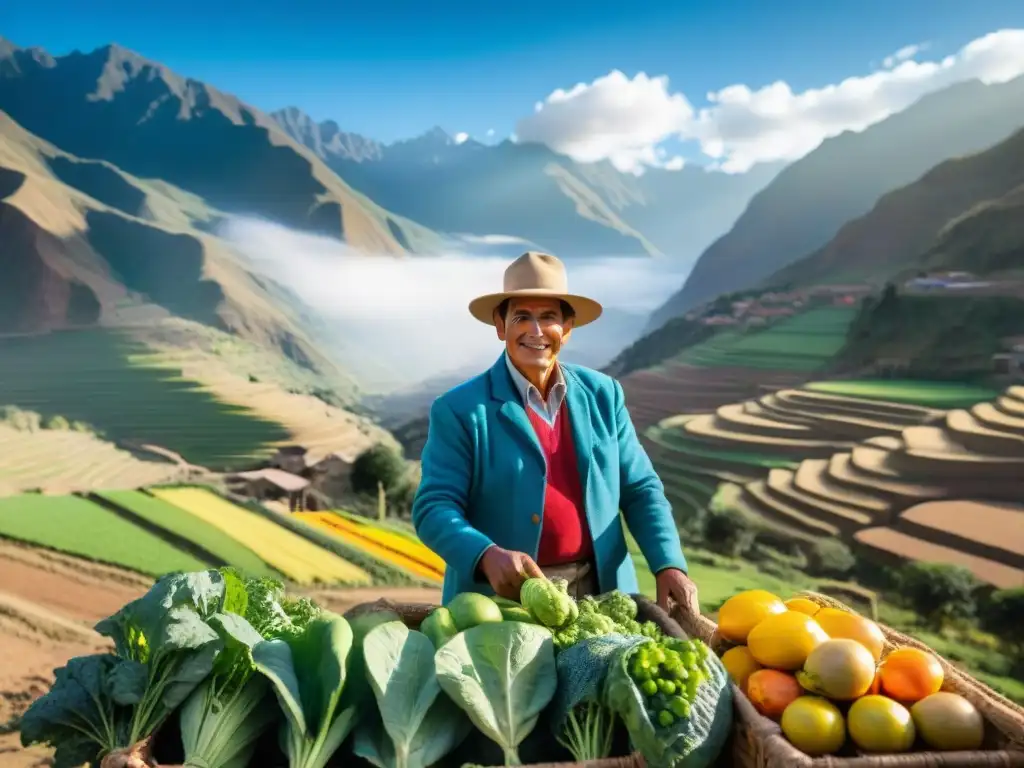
<point>112,104</point>
<point>529,191</point>
<point>806,204</point>
<point>965,214</point>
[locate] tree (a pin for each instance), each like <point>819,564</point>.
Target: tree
<point>1003,615</point>
<point>378,464</point>
<point>830,558</point>
<point>938,592</point>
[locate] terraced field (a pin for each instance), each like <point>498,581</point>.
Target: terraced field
<point>873,492</point>
<point>930,394</point>
<point>79,527</point>
<point>60,461</point>
<point>299,559</point>
<point>106,379</point>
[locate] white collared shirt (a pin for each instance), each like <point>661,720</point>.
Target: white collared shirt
<point>532,398</point>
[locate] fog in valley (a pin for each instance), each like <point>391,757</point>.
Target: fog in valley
<point>397,322</point>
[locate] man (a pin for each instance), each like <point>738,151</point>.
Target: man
<point>527,465</point>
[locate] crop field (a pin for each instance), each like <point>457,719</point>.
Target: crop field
<point>930,394</point>
<point>63,461</point>
<point>176,521</point>
<point>297,558</point>
<point>107,380</point>
<point>390,547</point>
<point>78,527</point>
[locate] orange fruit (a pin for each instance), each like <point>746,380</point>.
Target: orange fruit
<point>740,665</point>
<point>744,611</point>
<point>784,640</point>
<point>838,623</point>
<point>814,725</point>
<point>771,691</point>
<point>803,605</point>
<point>909,674</point>
<point>879,724</point>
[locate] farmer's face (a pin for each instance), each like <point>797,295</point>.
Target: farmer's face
<point>534,331</point>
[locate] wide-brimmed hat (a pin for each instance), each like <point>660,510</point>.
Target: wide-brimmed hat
<point>536,275</point>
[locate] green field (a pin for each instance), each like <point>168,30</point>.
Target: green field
<point>675,439</point>
<point>804,342</point>
<point>930,394</point>
<point>106,379</point>
<point>191,528</point>
<point>78,527</point>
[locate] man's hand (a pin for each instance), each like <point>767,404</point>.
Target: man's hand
<point>507,570</point>
<point>676,586</point>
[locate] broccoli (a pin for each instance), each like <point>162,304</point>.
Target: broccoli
<point>596,625</point>
<point>618,606</point>
<point>549,602</point>
<point>567,637</point>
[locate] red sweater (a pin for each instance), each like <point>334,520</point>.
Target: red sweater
<point>565,534</point>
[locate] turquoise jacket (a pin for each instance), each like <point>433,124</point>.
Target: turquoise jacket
<point>483,480</point>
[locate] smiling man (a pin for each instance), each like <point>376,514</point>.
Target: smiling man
<point>527,466</point>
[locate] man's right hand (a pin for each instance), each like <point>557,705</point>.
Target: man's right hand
<point>506,570</point>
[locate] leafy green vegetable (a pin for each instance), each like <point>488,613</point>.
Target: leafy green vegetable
<point>549,602</point>
<point>675,699</point>
<point>308,672</point>
<point>502,675</point>
<point>271,613</point>
<point>418,723</point>
<point>439,626</point>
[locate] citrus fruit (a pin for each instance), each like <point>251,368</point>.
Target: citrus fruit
<point>744,611</point>
<point>909,674</point>
<point>783,640</point>
<point>740,665</point>
<point>771,691</point>
<point>839,623</point>
<point>803,605</point>
<point>879,724</point>
<point>840,669</point>
<point>948,721</point>
<point>814,725</point>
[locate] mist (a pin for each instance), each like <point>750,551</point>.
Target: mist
<point>397,321</point>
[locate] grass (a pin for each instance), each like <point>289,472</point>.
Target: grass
<point>674,439</point>
<point>180,523</point>
<point>930,394</point>
<point>106,379</point>
<point>79,527</point>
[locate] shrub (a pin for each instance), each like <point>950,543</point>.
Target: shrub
<point>22,421</point>
<point>1003,615</point>
<point>830,558</point>
<point>938,592</point>
<point>57,422</point>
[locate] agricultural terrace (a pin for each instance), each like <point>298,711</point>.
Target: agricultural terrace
<point>289,553</point>
<point>104,378</point>
<point>163,517</point>
<point>869,492</point>
<point>930,394</point>
<point>79,527</point>
<point>63,461</point>
<point>390,547</point>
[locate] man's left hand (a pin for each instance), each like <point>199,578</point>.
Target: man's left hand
<point>676,586</point>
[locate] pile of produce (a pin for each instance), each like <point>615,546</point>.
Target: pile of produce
<point>214,670</point>
<point>823,674</point>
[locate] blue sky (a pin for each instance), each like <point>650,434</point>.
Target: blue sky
<point>392,70</point>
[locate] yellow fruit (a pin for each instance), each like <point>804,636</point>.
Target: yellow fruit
<point>840,669</point>
<point>744,611</point>
<point>948,721</point>
<point>740,665</point>
<point>839,623</point>
<point>814,726</point>
<point>784,640</point>
<point>879,724</point>
<point>803,605</point>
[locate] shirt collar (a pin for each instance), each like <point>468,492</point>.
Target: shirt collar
<point>529,392</point>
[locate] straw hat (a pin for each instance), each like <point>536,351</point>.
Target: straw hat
<point>536,275</point>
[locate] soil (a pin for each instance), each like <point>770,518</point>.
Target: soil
<point>48,605</point>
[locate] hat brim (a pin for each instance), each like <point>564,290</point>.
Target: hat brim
<point>587,310</point>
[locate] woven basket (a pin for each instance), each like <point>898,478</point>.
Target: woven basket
<point>414,613</point>
<point>758,742</point>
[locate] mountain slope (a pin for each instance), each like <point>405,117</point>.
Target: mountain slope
<point>526,190</point>
<point>804,206</point>
<point>112,104</point>
<point>964,213</point>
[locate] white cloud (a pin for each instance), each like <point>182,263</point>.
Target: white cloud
<point>490,132</point>
<point>904,53</point>
<point>625,120</point>
<point>461,137</point>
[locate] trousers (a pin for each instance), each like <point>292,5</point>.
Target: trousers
<point>582,577</point>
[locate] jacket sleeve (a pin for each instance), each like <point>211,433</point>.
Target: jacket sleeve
<point>642,497</point>
<point>439,509</point>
